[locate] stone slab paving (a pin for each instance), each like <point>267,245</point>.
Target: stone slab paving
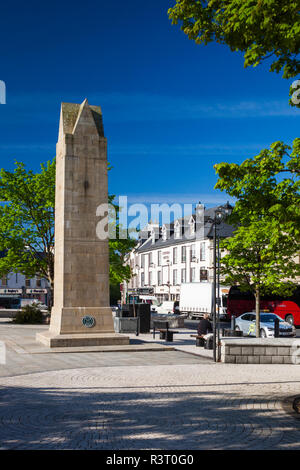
<point>195,406</point>
<point>166,400</point>
<point>182,341</point>
<point>24,355</point>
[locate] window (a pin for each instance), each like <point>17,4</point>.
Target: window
<point>247,317</point>
<point>192,228</point>
<point>38,282</point>
<point>159,258</point>
<point>27,282</point>
<point>150,278</point>
<point>193,274</point>
<point>174,277</point>
<point>183,254</point>
<point>202,252</point>
<point>183,275</point>
<point>203,274</point>
<point>150,259</point>
<point>142,261</point>
<point>4,281</point>
<point>174,255</point>
<point>159,280</point>
<point>142,279</point>
<point>193,252</point>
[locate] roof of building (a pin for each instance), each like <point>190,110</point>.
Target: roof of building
<point>223,230</point>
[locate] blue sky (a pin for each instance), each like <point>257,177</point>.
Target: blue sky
<point>171,109</point>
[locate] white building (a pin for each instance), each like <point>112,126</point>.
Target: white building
<point>16,286</point>
<point>175,253</point>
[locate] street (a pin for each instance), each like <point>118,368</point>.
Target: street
<point>192,324</point>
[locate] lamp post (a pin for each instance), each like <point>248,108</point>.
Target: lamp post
<point>218,297</point>
<point>220,213</point>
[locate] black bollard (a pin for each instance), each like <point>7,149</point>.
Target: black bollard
<point>233,322</point>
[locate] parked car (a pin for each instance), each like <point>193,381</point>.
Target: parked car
<point>247,324</point>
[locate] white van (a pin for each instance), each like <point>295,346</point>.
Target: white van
<point>165,307</point>
<point>149,299</point>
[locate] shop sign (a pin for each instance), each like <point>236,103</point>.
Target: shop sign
<point>11,291</point>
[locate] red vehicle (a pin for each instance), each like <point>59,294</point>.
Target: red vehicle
<point>288,308</point>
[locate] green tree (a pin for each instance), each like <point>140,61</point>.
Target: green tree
<point>267,185</point>
<point>260,258</point>
<point>119,247</point>
<point>27,225</point>
<point>261,29</point>
<point>27,221</point>
<point>260,255</point>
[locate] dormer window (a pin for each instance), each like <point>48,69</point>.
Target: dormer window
<point>164,233</point>
<point>153,236</point>
<point>192,226</point>
<point>177,230</point>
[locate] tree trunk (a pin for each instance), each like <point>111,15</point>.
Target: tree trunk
<point>257,311</point>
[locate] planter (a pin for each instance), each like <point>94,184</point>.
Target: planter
<point>125,324</point>
<point>175,321</point>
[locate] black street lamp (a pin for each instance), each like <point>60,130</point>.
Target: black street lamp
<point>220,214</point>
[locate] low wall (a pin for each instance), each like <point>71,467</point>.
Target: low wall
<point>8,313</point>
<point>260,350</point>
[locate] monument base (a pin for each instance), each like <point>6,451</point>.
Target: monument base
<point>81,320</point>
<point>81,326</point>
<point>52,340</point>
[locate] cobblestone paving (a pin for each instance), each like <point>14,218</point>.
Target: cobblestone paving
<point>194,406</point>
<point>166,400</point>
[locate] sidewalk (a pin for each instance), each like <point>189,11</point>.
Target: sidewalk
<point>162,399</point>
<point>182,341</point>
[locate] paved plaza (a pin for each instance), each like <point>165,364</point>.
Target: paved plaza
<point>150,397</point>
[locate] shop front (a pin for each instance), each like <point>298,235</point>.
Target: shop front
<point>40,295</point>
<point>10,298</point>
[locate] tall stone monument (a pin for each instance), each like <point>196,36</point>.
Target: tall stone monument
<point>80,315</point>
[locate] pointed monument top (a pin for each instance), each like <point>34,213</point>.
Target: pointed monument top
<point>72,114</point>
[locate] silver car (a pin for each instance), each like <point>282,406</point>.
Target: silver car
<point>247,324</point>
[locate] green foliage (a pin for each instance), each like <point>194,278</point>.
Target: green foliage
<point>267,185</point>
<point>27,220</point>
<point>115,294</point>
<point>259,28</point>
<point>261,254</point>
<point>119,247</point>
<point>27,225</point>
<point>30,314</point>
<point>295,94</point>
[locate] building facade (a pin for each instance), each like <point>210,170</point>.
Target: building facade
<point>16,286</point>
<point>176,253</point>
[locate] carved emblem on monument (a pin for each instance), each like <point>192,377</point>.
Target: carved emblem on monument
<point>88,321</point>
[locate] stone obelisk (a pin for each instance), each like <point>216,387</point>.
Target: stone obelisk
<point>81,315</point>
